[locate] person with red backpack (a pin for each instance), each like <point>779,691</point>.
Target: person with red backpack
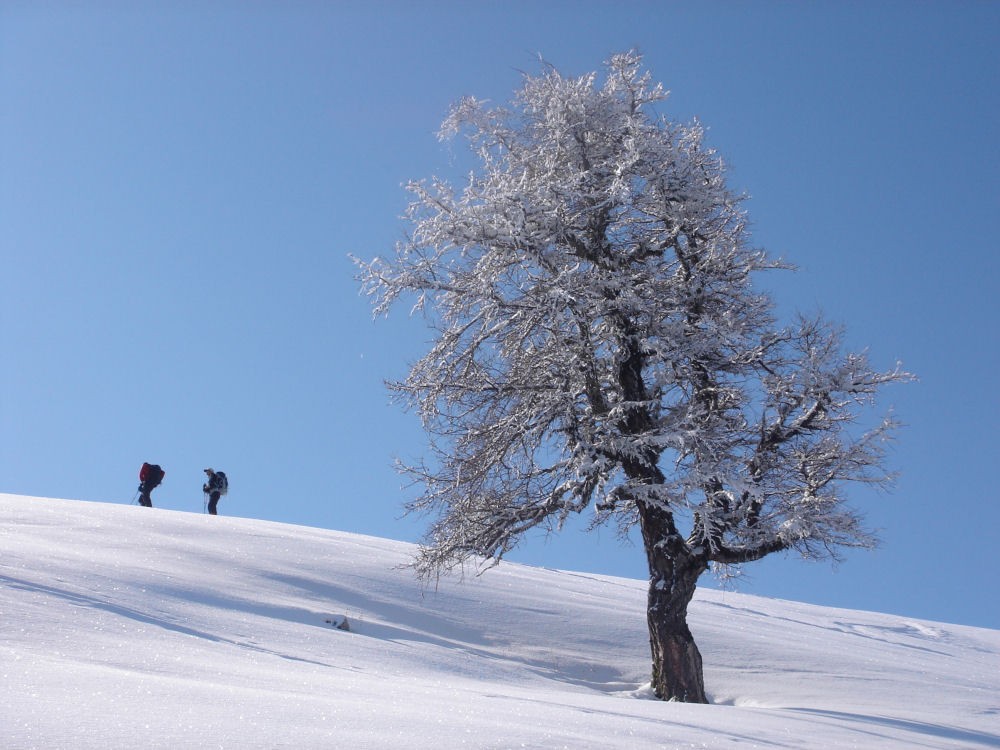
<point>150,476</point>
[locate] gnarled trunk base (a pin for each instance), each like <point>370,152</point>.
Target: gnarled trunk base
<point>673,577</point>
<point>677,667</point>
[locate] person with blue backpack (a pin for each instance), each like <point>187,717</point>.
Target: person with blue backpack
<point>215,487</point>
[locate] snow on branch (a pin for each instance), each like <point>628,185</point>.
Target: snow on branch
<point>600,343</point>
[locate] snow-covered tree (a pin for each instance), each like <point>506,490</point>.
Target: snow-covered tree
<point>600,345</point>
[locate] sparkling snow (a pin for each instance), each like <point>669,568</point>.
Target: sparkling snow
<point>129,627</point>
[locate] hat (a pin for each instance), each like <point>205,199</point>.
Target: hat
<point>209,471</point>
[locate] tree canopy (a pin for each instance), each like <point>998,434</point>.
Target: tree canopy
<point>600,346</point>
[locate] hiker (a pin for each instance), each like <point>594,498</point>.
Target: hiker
<point>150,476</point>
<point>216,486</point>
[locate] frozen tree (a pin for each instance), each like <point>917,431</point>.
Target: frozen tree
<point>600,345</point>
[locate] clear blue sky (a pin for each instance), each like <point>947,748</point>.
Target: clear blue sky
<point>181,185</point>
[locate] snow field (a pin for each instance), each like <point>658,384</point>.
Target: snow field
<point>129,627</point>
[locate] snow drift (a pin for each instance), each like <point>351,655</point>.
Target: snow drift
<point>129,627</point>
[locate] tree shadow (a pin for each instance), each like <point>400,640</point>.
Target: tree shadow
<point>953,734</point>
<point>94,602</point>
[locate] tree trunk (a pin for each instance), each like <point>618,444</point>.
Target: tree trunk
<point>673,577</point>
<point>677,668</point>
<point>673,569</point>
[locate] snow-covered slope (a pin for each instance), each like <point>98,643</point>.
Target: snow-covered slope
<point>123,627</point>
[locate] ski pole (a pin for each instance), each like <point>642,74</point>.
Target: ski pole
<point>135,497</point>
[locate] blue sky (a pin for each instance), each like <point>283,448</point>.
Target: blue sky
<point>181,185</point>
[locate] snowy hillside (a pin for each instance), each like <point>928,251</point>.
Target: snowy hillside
<point>124,627</point>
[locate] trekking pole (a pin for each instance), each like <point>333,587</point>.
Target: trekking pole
<point>135,497</point>
<point>205,507</point>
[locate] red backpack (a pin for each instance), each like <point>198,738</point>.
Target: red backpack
<point>151,475</point>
